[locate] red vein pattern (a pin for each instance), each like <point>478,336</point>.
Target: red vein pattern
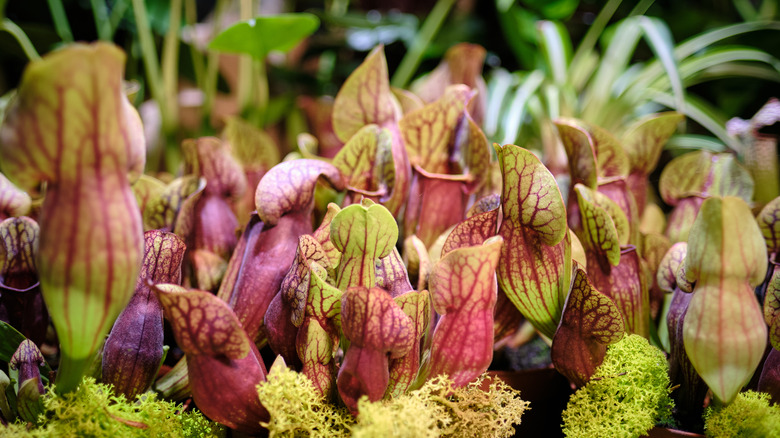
<point>403,370</point>
<point>625,286</point>
<point>13,202</point>
<point>464,292</point>
<point>725,333</point>
<point>365,98</point>
<point>590,322</point>
<point>535,263</point>
<point>223,364</point>
<point>21,302</point>
<point>91,234</point>
<point>134,348</point>
<point>289,187</point>
<point>378,330</point>
<point>363,234</point>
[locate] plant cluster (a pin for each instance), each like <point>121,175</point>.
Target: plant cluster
<point>381,261</point>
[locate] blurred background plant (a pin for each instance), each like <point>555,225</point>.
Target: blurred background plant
<point>606,62</point>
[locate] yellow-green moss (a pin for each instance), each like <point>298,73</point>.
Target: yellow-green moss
<point>626,397</point>
<point>749,415</point>
<point>93,410</point>
<point>297,411</point>
<point>466,412</point>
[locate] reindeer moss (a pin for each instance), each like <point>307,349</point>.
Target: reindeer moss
<point>749,415</point>
<point>296,410</point>
<point>93,410</point>
<point>626,397</point>
<point>466,412</point>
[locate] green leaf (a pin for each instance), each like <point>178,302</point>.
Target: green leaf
<point>702,113</point>
<point>703,174</point>
<point>29,401</point>
<point>693,142</point>
<point>556,48</point>
<point>516,112</point>
<point>498,86</point>
<point>659,38</point>
<point>603,223</point>
<point>263,34</point>
<point>363,234</point>
<point>724,331</point>
<point>365,98</point>
<point>645,139</point>
<point>10,338</point>
<point>365,161</point>
<point>579,149</point>
<point>613,64</point>
<point>430,132</point>
<point>535,265</point>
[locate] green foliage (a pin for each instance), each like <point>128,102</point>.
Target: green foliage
<point>749,415</point>
<point>626,396</point>
<point>261,35</point>
<point>93,410</point>
<point>297,409</point>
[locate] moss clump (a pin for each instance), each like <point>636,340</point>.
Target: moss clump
<point>749,415</point>
<point>429,412</point>
<point>626,396</point>
<point>297,409</point>
<point>93,410</point>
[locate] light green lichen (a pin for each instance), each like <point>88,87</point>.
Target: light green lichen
<point>626,397</point>
<point>749,415</point>
<point>297,411</point>
<point>469,411</point>
<point>93,410</point>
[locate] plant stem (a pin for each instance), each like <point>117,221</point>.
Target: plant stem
<point>338,7</point>
<point>149,55</point>
<point>244,90</point>
<point>198,65</point>
<point>61,24</point>
<point>261,90</point>
<point>413,57</point>
<point>212,64</point>
<point>641,7</point>
<point>117,12</point>
<point>21,37</point>
<point>170,67</point>
<point>102,24</point>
